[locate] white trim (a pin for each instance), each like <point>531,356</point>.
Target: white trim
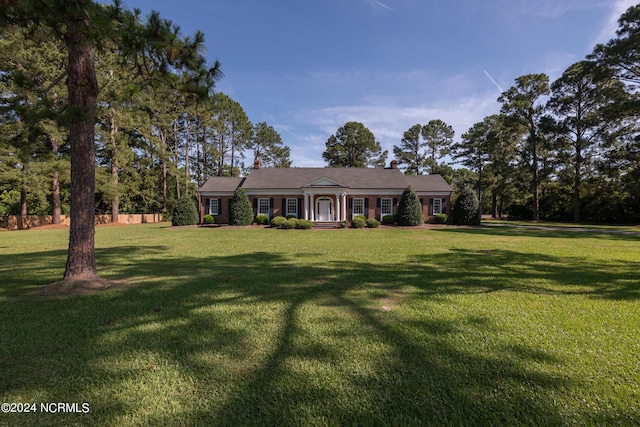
<point>353,207</point>
<point>268,212</point>
<point>433,208</point>
<point>383,214</point>
<point>332,183</point>
<point>211,200</point>
<point>274,192</point>
<point>215,194</point>
<point>296,213</point>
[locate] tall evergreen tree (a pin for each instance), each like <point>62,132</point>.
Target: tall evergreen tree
<point>354,146</point>
<point>523,106</point>
<point>438,137</point>
<point>584,101</point>
<point>267,146</point>
<point>83,25</point>
<point>409,152</point>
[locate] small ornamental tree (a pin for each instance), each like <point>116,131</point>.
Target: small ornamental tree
<point>466,209</point>
<point>240,211</point>
<point>410,209</point>
<point>185,212</point>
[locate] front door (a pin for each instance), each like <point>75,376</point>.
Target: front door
<point>324,208</point>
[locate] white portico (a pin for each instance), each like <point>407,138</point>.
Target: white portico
<point>325,200</point>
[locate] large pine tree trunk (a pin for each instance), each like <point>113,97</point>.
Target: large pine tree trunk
<point>83,92</point>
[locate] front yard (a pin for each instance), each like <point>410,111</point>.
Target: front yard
<point>394,326</point>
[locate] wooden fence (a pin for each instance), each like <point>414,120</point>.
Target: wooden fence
<point>17,222</point>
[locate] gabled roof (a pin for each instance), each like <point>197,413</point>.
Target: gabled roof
<point>353,178</point>
<point>221,184</point>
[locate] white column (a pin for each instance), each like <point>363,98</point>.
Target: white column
<point>306,205</point>
<point>338,209</point>
<point>313,207</point>
<point>344,206</point>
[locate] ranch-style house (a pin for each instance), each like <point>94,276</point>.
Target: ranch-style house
<point>325,195</point>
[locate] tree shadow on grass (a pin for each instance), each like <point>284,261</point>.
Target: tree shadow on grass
<point>255,339</point>
<point>546,232</point>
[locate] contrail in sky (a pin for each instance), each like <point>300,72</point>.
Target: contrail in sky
<point>383,5</point>
<point>493,81</point>
<point>286,129</point>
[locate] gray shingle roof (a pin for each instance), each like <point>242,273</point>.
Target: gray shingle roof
<point>221,184</point>
<point>353,178</point>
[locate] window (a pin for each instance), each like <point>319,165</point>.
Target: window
<point>386,207</point>
<point>358,207</point>
<point>292,207</point>
<point>214,208</point>
<point>437,206</point>
<point>264,207</point>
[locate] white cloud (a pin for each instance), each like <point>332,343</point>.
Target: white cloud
<point>387,121</point>
<point>608,31</point>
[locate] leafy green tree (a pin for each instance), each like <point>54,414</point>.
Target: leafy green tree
<point>409,209</point>
<point>523,105</point>
<point>466,208</point>
<point>354,146</point>
<point>240,210</point>
<point>409,152</point>
<point>267,146</point>
<point>438,137</point>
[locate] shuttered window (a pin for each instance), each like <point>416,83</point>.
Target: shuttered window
<point>358,207</point>
<point>386,207</point>
<point>214,207</point>
<point>264,207</point>
<point>292,207</point>
<point>437,206</point>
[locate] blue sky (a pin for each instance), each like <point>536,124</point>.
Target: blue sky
<point>306,67</point>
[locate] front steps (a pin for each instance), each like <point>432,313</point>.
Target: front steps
<point>329,225</point>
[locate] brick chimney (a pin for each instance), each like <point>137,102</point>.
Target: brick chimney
<point>394,164</point>
<point>257,164</point>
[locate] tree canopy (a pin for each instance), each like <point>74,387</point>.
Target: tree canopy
<point>354,146</point>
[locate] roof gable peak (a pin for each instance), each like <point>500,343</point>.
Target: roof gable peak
<point>324,182</point>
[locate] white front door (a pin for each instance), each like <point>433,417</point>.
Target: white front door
<point>324,208</point>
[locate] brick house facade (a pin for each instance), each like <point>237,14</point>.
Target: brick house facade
<point>325,194</point>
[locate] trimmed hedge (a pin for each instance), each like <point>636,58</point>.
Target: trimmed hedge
<point>185,212</point>
<point>209,219</point>
<point>262,219</point>
<point>359,222</point>
<point>240,210</point>
<point>373,223</point>
<point>410,209</point>
<point>441,218</point>
<point>277,221</point>
<point>388,219</point>
<point>290,223</point>
<point>466,209</point>
<point>304,224</point>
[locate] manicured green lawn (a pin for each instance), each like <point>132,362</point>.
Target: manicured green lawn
<point>390,326</point>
